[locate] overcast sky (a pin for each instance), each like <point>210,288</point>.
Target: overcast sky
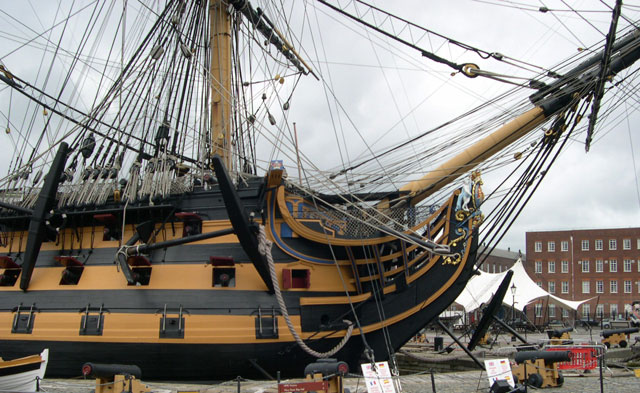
<point>598,189</point>
<point>391,93</point>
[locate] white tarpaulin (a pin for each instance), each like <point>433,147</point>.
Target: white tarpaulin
<point>481,288</point>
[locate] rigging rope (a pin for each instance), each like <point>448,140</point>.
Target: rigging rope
<point>604,70</point>
<point>264,246</point>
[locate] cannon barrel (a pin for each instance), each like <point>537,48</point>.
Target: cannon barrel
<point>557,333</point>
<point>101,370</point>
<point>547,356</point>
<point>327,367</point>
<point>611,332</point>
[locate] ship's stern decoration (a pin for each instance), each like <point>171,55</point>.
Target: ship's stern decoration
<point>467,214</point>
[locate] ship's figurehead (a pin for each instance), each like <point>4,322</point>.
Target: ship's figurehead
<point>467,214</point>
<point>470,198</point>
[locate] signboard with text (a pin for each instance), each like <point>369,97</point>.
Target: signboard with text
<point>378,378</point>
<point>499,369</point>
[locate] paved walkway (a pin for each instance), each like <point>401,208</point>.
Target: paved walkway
<point>464,382</point>
<point>615,380</point>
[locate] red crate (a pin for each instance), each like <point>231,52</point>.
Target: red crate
<point>582,358</point>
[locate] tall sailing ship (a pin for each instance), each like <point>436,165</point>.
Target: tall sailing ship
<point>149,224</point>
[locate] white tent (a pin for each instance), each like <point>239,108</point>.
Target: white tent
<point>481,288</point>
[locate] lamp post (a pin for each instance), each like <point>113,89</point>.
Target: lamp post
<point>513,305</point>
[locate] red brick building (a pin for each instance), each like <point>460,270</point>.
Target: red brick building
<point>603,264</point>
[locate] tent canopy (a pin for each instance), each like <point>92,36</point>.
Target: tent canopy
<point>481,288</point>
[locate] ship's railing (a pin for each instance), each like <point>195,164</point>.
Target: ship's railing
<point>367,222</point>
<point>93,191</point>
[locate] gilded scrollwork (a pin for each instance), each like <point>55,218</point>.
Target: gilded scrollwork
<point>452,259</point>
<point>467,214</point>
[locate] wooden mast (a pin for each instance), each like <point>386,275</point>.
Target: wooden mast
<point>462,163</point>
<point>575,85</point>
<point>220,43</point>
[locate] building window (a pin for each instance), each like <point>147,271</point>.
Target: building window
<point>564,266</point>
<point>564,245</point>
<point>552,311</point>
<point>585,245</point>
<point>599,286</point>
<point>552,286</point>
<point>586,286</point>
<point>565,287</point>
<point>586,310</point>
<point>613,266</point>
<point>638,245</point>
<point>613,286</point>
<point>552,266</point>
<point>494,267</point>
<point>551,246</point>
<point>599,266</point>
<point>585,266</point>
<point>626,244</point>
<point>565,313</point>
<point>538,309</point>
<point>538,246</point>
<point>613,244</point>
<point>598,244</point>
<point>614,310</point>
<point>539,284</point>
<point>600,311</point>
<point>626,265</point>
<point>538,266</point>
<point>627,286</point>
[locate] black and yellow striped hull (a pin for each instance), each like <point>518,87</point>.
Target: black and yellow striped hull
<point>182,325</point>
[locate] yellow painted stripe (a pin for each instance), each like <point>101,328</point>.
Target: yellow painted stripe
<point>6,364</point>
<point>319,301</point>
<point>145,328</point>
<point>203,329</point>
<point>91,237</point>
<point>181,277</point>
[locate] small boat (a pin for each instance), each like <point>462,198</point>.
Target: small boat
<point>23,374</point>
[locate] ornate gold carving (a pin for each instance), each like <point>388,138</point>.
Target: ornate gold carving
<point>477,196</point>
<point>477,220</point>
<point>452,260</point>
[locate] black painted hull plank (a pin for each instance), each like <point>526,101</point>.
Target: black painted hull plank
<point>240,222</point>
<point>44,203</point>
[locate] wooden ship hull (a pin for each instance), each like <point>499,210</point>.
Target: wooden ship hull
<point>204,309</point>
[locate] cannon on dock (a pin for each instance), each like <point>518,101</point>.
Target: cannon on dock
<point>618,337</point>
<point>539,368</point>
<point>323,376</point>
<point>560,336</point>
<point>115,378</point>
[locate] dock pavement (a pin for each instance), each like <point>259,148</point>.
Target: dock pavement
<point>460,382</point>
<point>615,380</point>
